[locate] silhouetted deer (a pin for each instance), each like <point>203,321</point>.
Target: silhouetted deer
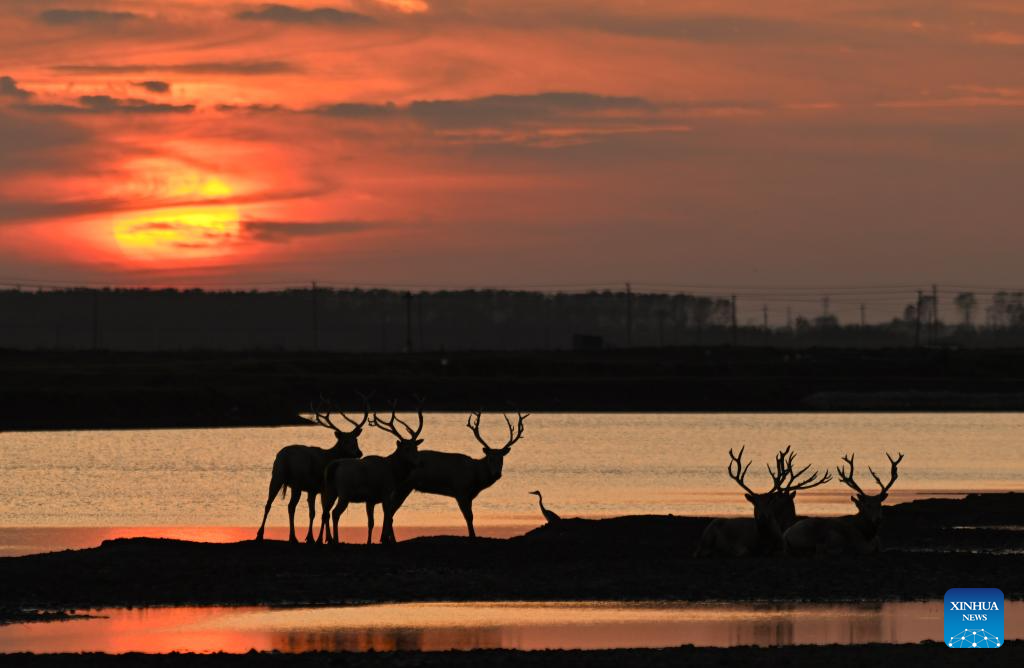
<point>456,475</point>
<point>857,534</point>
<point>370,480</point>
<point>549,515</point>
<point>301,467</point>
<point>774,510</point>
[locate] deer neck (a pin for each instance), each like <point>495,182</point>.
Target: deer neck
<point>769,534</point>
<point>867,527</point>
<point>484,477</point>
<point>400,466</point>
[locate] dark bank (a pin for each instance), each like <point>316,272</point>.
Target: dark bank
<point>928,545</point>
<point>854,656</point>
<point>108,389</point>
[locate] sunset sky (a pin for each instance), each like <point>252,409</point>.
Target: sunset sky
<point>489,142</point>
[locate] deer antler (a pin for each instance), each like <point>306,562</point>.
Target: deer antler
<point>848,479</point>
<point>741,471</point>
<point>366,411</point>
<point>389,425</point>
<point>784,465</point>
<point>782,468</point>
<point>515,433</point>
<point>893,473</point>
<point>322,419</point>
<point>413,433</point>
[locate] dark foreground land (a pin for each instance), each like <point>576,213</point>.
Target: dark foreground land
<point>836,656</point>
<point>53,390</point>
<point>644,557</point>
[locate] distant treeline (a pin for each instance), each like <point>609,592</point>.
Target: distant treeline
<point>390,321</point>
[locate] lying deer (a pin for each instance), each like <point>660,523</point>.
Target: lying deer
<point>301,467</point>
<point>857,534</point>
<point>774,510</point>
<point>456,475</point>
<point>370,480</point>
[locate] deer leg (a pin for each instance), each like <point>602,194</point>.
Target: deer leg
<point>466,506</point>
<point>326,501</point>
<point>391,506</point>
<point>311,501</point>
<point>336,516</point>
<point>370,506</point>
<point>275,487</point>
<point>292,504</point>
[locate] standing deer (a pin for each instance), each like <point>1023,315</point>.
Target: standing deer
<point>301,467</point>
<point>370,480</point>
<point>857,534</point>
<point>774,510</point>
<point>456,475</point>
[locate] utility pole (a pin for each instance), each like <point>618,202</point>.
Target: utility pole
<point>408,321</point>
<point>764,311</point>
<point>789,317</point>
<point>316,319</point>
<point>419,323</point>
<point>917,320</point>
<point>824,306</point>
<point>95,319</point>
<point>735,332</point>
<point>629,315</point>
<point>863,321</point>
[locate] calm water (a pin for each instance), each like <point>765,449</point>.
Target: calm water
<point>206,481</point>
<point>464,626</point>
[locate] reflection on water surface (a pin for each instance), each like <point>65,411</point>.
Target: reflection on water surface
<point>508,625</point>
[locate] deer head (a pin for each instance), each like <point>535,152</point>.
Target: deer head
<point>405,444</point>
<point>869,506</point>
<point>786,482</point>
<point>346,442</point>
<point>495,457</point>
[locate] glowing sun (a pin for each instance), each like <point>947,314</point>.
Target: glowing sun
<point>184,232</point>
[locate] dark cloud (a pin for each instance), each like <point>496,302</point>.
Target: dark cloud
<point>517,109</point>
<point>243,67</point>
<point>9,88</point>
<point>493,110</point>
<point>66,17</point>
<point>14,211</point>
<point>251,107</point>
<point>154,86</point>
<point>295,15</point>
<point>105,104</point>
<point>712,29</point>
<point>357,110</point>
<point>277,231</point>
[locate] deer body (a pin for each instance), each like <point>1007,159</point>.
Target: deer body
<point>774,511</point>
<point>372,480</point>
<point>853,534</point>
<point>850,534</point>
<point>744,536</point>
<point>301,467</point>
<point>455,475</point>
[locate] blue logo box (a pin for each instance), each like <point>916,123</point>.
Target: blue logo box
<point>973,619</point>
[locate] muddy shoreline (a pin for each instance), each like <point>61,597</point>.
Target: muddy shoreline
<point>626,558</point>
<point>836,656</point>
